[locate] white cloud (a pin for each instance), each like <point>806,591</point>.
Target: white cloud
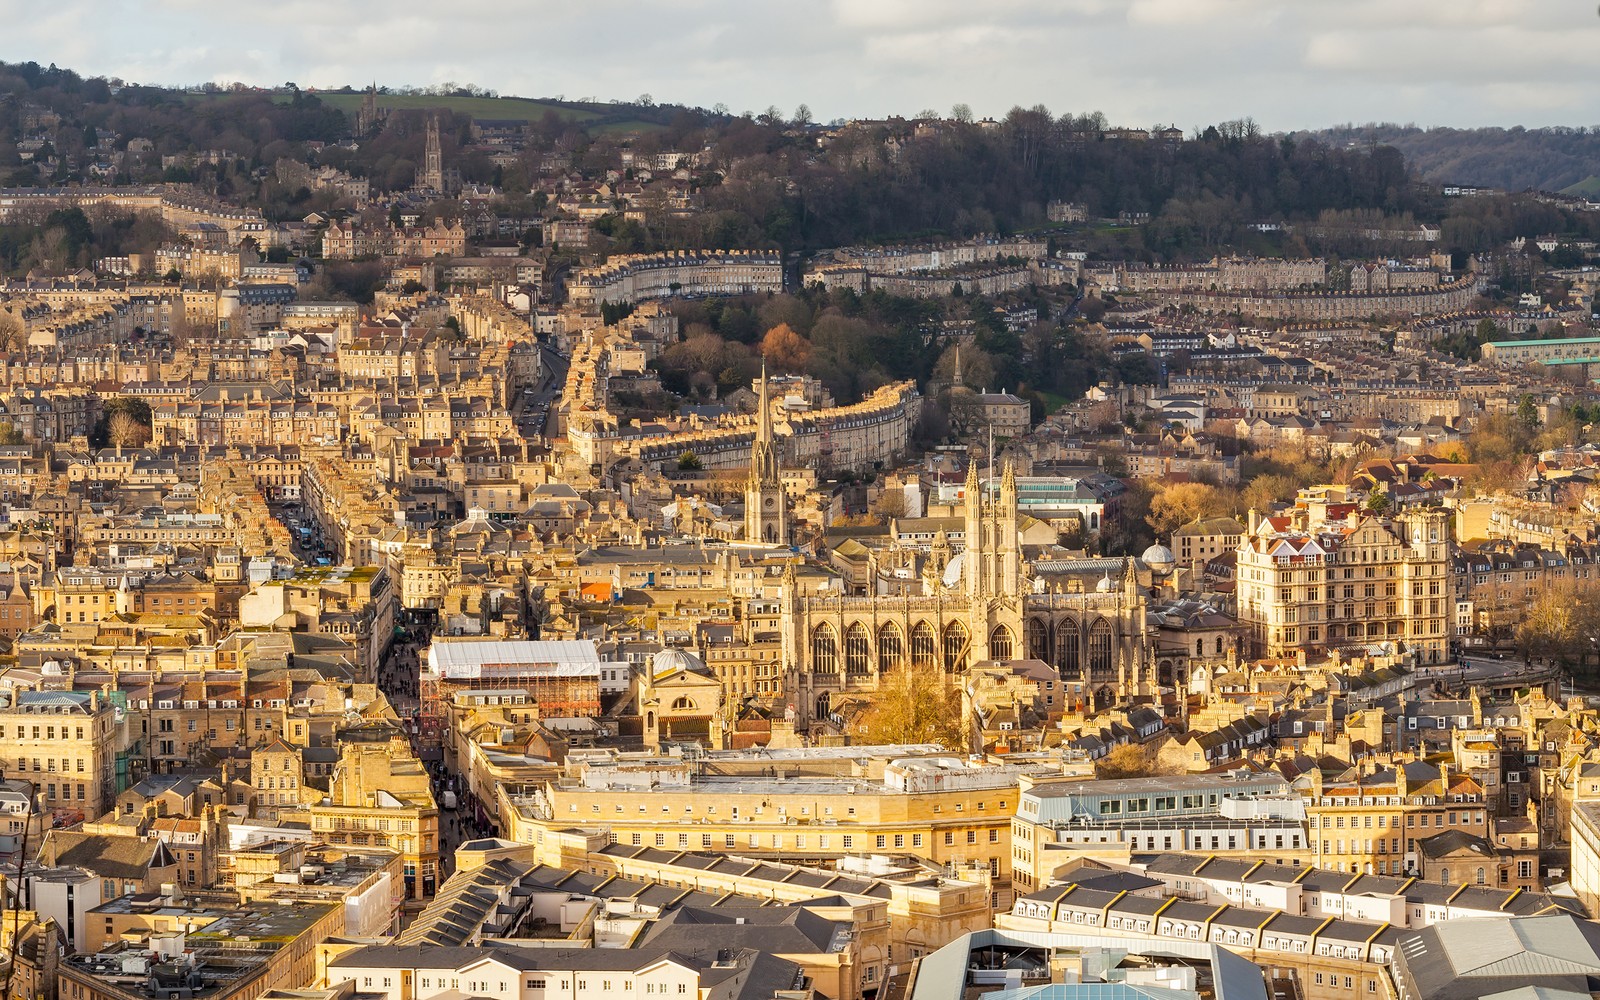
<point>1235,14</point>
<point>1288,64</point>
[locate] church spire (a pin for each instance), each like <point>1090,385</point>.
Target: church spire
<point>765,506</point>
<point>764,456</point>
<point>433,159</point>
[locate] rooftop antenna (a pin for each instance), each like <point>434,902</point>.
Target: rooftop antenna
<point>991,453</point>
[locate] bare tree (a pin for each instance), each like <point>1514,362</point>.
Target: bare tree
<point>1180,503</point>
<point>891,503</point>
<point>13,336</point>
<point>914,704</point>
<point>124,430</point>
<point>1561,625</point>
<point>1130,760</point>
<point>178,326</point>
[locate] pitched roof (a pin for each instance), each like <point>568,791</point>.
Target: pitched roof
<point>106,856</point>
<point>1462,959</point>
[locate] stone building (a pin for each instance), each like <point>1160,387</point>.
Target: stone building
<point>1334,577</point>
<point>62,742</point>
<point>1086,618</point>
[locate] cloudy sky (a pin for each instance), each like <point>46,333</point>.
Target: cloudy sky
<point>1287,63</point>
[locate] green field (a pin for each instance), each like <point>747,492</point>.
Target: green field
<point>1589,187</point>
<point>596,118</point>
<point>1053,402</point>
<point>504,108</point>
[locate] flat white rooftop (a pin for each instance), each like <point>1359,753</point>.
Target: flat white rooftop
<point>469,659</point>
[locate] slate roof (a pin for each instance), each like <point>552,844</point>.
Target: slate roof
<point>1467,959</point>
<point>109,857</point>
<point>786,931</point>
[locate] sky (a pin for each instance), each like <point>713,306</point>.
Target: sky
<point>1288,64</point>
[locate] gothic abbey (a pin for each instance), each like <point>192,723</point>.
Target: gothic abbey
<point>978,599</point>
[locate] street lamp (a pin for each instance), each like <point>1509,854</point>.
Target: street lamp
<point>16,892</point>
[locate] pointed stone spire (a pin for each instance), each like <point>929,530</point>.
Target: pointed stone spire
<point>763,408</point>
<point>764,455</point>
<point>765,504</point>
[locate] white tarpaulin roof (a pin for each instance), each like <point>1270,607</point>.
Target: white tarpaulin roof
<point>471,659</point>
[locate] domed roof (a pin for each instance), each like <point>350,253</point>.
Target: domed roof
<point>1105,586</point>
<point>672,660</point>
<point>1158,556</point>
<point>951,577</point>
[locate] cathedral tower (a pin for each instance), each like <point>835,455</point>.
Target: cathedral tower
<point>1010,553</point>
<point>367,117</point>
<point>974,557</point>
<point>765,508</point>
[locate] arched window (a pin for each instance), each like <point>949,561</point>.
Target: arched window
<point>891,647</point>
<point>1001,643</point>
<point>923,652</point>
<point>1199,647</point>
<point>824,650</point>
<point>1480,876</point>
<point>1038,640</point>
<point>683,704</point>
<point>1219,645</point>
<point>956,641</point>
<point>1444,876</point>
<point>1069,651</point>
<point>857,650</point>
<point>1100,664</point>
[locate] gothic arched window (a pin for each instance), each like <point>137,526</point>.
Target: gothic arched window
<point>857,649</point>
<point>956,642</point>
<point>1100,660</point>
<point>1038,639</point>
<point>1069,651</point>
<point>891,646</point>
<point>923,652</point>
<point>824,650</point>
<point>1001,644</point>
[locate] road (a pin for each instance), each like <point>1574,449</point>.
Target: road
<point>1481,670</point>
<point>535,411</point>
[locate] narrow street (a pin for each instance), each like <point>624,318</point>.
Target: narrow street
<point>399,677</point>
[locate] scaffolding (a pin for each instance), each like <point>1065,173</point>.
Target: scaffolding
<point>551,695</point>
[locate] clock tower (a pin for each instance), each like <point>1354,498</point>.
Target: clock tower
<point>766,516</point>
